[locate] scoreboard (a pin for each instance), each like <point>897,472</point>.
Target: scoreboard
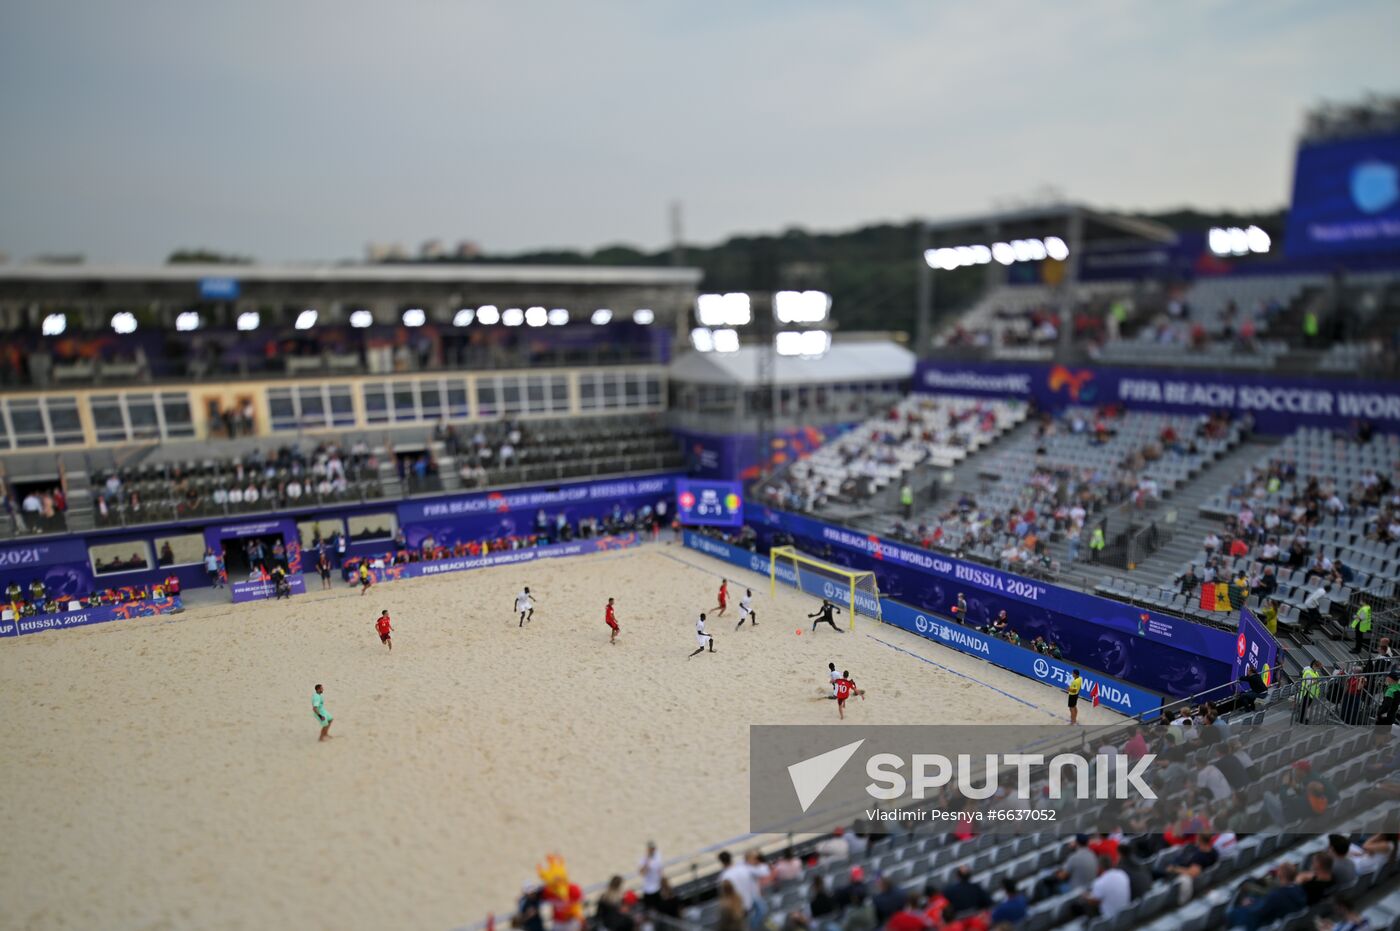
<point>715,504</point>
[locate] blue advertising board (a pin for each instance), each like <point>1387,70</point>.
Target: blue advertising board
<point>1346,197</point>
<point>219,289</point>
<point>256,589</point>
<point>418,570</point>
<point>83,617</point>
<point>1278,403</point>
<point>709,503</point>
<point>62,565</point>
<point>1256,647</point>
<point>1156,651</point>
<point>1113,693</point>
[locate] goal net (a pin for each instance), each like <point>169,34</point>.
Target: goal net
<point>838,584</point>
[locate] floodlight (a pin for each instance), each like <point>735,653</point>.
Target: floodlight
<point>414,317</point>
<point>981,255</point>
<point>54,325</point>
<point>187,320</point>
<point>726,340</point>
<point>731,309</point>
<point>1037,249</point>
<point>702,339</point>
<point>1055,248</point>
<point>1239,241</point>
<point>124,322</point>
<point>306,319</point>
<point>558,316</point>
<point>1258,240</point>
<point>643,317</point>
<point>488,315</point>
<point>536,316</point>
<point>1003,252</point>
<point>512,316</point>
<point>359,319</point>
<point>248,320</point>
<point>965,255</point>
<point>601,316</point>
<point>463,317</point>
<point>801,306</point>
<point>803,342</point>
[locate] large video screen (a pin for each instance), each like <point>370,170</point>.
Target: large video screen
<point>716,504</point>
<point>1346,197</point>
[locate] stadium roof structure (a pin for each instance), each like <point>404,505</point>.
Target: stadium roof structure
<point>406,273</point>
<point>1097,224</point>
<point>843,363</point>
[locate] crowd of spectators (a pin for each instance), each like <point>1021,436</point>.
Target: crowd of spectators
<point>287,477</point>
<point>1084,462</point>
<point>1307,535</point>
<point>37,510</point>
<point>919,430</point>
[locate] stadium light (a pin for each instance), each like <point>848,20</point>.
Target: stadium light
<point>124,321</point>
<point>187,321</point>
<point>1232,240</point>
<point>359,319</point>
<point>248,320</point>
<point>724,310</point>
<point>414,317</point>
<point>803,342</point>
<point>801,306</point>
<point>463,317</point>
<point>306,319</point>
<point>702,339</point>
<point>726,340</point>
<point>642,316</point>
<point>558,316</point>
<point>54,325</point>
<point>601,316</point>
<point>536,316</point>
<point>488,315</point>
<point>947,258</point>
<point>512,316</point>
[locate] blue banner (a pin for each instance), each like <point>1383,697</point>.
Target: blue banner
<point>1256,647</point>
<point>62,565</point>
<point>709,503</point>
<point>418,570</point>
<point>1346,197</point>
<point>1156,651</point>
<point>82,617</point>
<point>256,590</point>
<point>1113,693</point>
<point>1278,404</point>
<point>219,289</point>
<point>530,499</point>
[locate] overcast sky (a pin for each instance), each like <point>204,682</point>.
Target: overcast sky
<point>301,129</point>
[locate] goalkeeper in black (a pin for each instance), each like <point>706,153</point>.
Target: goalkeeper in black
<point>824,614</point>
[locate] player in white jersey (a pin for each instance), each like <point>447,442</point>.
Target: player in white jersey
<point>834,675</point>
<point>746,610</point>
<point>702,638</point>
<point>525,605</point>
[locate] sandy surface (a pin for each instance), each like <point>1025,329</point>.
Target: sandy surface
<point>165,773</point>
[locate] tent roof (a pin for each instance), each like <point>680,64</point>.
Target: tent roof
<point>845,362</point>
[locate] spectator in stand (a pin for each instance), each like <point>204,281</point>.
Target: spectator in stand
<point>888,899</point>
<point>1109,894</point>
<point>909,918</point>
<point>732,910</point>
<point>1012,909</point>
<point>964,894</point>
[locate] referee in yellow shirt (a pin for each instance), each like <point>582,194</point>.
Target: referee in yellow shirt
<point>1075,684</point>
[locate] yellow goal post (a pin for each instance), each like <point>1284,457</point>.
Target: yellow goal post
<point>841,585</point>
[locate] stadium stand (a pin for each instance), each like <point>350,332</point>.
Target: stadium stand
<point>1306,792</point>
<point>1318,511</point>
<point>149,484</point>
<point>920,430</point>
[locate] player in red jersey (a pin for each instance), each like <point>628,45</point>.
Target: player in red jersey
<point>385,627</point>
<point>610,618</point>
<point>845,688</point>
<point>723,597</point>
